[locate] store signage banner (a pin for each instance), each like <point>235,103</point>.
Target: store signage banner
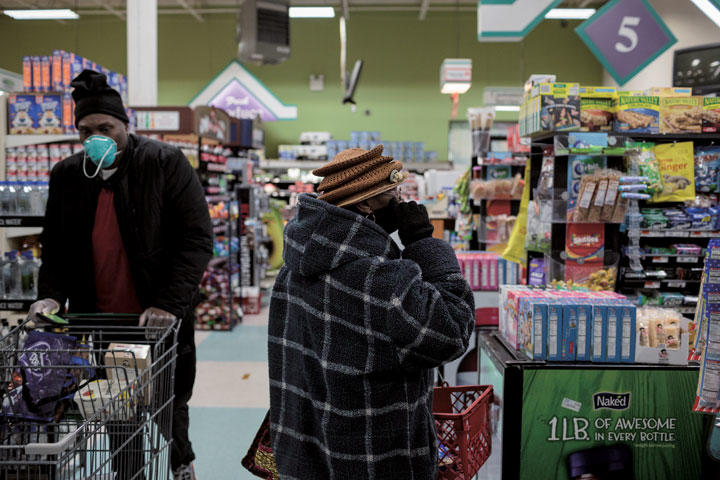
<point>242,95</point>
<point>625,36</point>
<point>646,413</point>
<point>510,20</point>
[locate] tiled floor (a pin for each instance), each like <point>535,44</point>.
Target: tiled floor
<point>230,397</point>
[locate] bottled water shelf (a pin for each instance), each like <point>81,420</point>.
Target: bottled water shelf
<point>21,221</point>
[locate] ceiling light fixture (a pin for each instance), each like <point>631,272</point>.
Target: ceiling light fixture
<point>312,12</point>
<point>42,14</point>
<point>570,13</point>
<point>710,9</point>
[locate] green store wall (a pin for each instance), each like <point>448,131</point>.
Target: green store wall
<point>399,86</point>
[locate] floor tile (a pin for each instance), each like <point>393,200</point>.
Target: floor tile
<point>243,344</point>
<point>231,384</point>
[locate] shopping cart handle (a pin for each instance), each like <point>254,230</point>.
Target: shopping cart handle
<point>55,448</point>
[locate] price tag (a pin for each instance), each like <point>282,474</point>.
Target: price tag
<point>625,36</point>
<point>676,283</point>
<point>688,259</point>
<point>661,260</point>
<point>652,285</point>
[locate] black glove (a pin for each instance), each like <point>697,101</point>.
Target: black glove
<point>414,223</point>
<point>388,217</point>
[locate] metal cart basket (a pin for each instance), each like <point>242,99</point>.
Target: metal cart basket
<point>89,400</point>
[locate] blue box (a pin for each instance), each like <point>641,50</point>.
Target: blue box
<point>599,333</point>
<point>628,327</point>
<point>584,333</point>
<point>569,333</point>
<point>554,331</point>
<point>614,333</point>
<point>49,114</point>
<point>22,114</point>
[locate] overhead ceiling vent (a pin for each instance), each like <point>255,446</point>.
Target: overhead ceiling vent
<point>264,31</point>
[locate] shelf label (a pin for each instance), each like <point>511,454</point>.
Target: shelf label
<point>688,259</point>
<point>652,285</point>
<point>20,306</point>
<point>626,36</point>
<point>676,283</point>
<point>11,222</point>
<point>661,260</point>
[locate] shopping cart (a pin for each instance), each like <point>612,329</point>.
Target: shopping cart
<point>91,400</point>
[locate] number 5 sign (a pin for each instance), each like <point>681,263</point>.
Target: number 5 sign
<point>625,36</point>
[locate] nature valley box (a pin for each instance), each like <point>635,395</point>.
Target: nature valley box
<point>681,114</point>
<point>670,91</point>
<point>637,113</point>
<point>597,108</point>
<point>711,115</point>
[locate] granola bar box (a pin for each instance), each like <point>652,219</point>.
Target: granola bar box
<point>711,115</point>
<point>597,108</point>
<point>681,114</point>
<point>638,114</point>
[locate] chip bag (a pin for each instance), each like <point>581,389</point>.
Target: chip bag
<point>677,172</point>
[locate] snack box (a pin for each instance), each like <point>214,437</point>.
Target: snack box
<point>36,73</point>
<point>568,343</point>
<point>584,332</point>
<point>94,397</point>
<point>554,330</point>
<point>614,330</point>
<point>56,80</point>
<point>599,334</point>
<point>627,334</point>
<point>49,116</point>
<point>555,107</point>
<point>711,115</point>
<point>22,109</point>
<point>27,74</point>
<point>124,361</point>
<point>637,114</point>
<point>648,349</point>
<point>670,91</point>
<point>681,114</point>
<point>597,108</point>
<point>533,325</point>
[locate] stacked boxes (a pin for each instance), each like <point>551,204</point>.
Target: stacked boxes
<point>551,107</point>
<point>46,105</point>
<point>33,163</point>
<point>486,271</point>
<point>569,326</point>
<point>597,108</point>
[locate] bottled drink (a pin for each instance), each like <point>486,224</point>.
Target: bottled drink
<point>37,209</point>
<point>23,199</point>
<point>8,199</point>
<point>29,274</point>
<point>12,277</point>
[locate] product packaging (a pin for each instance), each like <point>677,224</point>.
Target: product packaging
<point>677,172</point>
<point>533,327</point>
<point>27,74</point>
<point>638,113</point>
<point>568,344</point>
<point>45,74</point>
<point>41,352</point>
<point>597,108</point>
<point>554,107</point>
<point>711,115</point>
<point>57,84</point>
<point>707,169</point>
<point>36,73</point>
<point>584,332</point>
<point>599,334</point>
<point>614,333</point>
<point>681,114</point>
<point>125,362</point>
<point>49,120</point>
<point>670,91</point>
<point>578,167</point>
<point>22,109</point>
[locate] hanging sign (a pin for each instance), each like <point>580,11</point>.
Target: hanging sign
<point>510,20</point>
<point>625,36</point>
<point>493,96</point>
<point>239,93</point>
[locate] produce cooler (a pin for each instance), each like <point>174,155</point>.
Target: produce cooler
<point>559,421</point>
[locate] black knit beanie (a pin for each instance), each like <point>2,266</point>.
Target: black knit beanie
<point>92,94</point>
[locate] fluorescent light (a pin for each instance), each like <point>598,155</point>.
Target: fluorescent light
<point>570,13</point>
<point>709,9</point>
<point>507,108</point>
<point>47,14</point>
<point>312,12</point>
<point>455,87</point>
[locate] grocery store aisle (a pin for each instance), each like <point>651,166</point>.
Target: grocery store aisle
<point>231,397</point>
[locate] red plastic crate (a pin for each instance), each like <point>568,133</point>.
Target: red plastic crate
<point>462,423</point>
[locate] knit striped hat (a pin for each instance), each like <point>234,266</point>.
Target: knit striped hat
<point>355,175</point>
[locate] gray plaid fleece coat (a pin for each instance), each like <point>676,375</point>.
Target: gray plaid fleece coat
<point>355,331</point>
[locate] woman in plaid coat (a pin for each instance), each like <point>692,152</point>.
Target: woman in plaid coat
<point>356,329</point>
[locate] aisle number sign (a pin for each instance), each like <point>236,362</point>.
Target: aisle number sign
<point>625,36</point>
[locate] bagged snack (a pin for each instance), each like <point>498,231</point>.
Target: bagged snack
<point>643,158</point>
<point>588,186</point>
<point>707,169</point>
<point>611,196</point>
<point>41,351</point>
<point>578,166</point>
<point>598,200</point>
<point>677,170</point>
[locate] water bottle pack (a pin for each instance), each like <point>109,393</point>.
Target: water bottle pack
<point>23,198</point>
<point>19,279</point>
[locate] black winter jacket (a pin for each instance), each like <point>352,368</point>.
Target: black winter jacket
<point>164,223</point>
<point>355,330</point>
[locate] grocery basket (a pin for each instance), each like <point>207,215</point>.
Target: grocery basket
<point>462,424</point>
<point>88,400</point>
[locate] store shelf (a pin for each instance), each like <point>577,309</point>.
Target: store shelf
<point>16,221</point>
<point>656,137</point>
<point>681,309</point>
<point>24,140</point>
<point>19,232</point>
<point>423,167</point>
<point>218,261</point>
<point>285,164</point>
<point>15,305</point>
<point>680,233</point>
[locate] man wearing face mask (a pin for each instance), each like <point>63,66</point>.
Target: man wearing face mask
<point>357,326</point>
<point>127,230</point>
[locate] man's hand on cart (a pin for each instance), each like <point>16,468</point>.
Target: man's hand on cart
<point>156,318</point>
<point>37,316</point>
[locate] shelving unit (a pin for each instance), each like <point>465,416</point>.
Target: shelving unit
<point>24,140</point>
